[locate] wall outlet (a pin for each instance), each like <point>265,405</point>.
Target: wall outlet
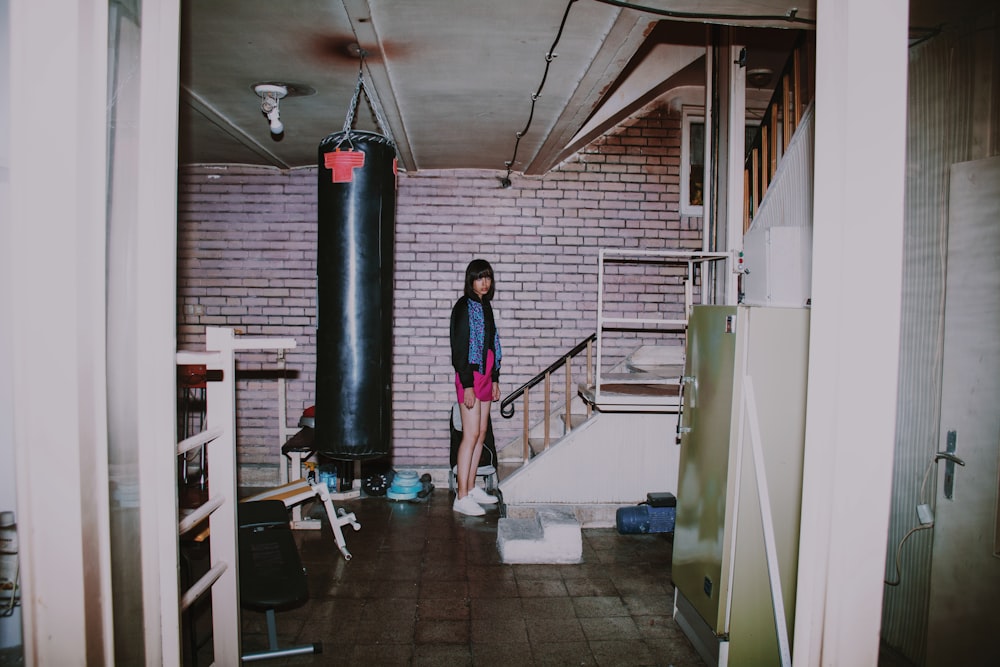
<point>925,514</point>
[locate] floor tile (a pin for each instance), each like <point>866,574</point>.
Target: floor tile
<point>425,586</point>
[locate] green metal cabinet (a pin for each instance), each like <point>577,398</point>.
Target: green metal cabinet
<point>745,373</point>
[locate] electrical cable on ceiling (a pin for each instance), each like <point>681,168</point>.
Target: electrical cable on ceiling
<point>791,16</point>
<point>549,57</point>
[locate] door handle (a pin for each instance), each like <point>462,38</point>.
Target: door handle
<point>950,460</point>
<point>950,457</point>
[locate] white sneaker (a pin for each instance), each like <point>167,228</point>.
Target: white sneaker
<point>468,506</point>
<point>482,497</point>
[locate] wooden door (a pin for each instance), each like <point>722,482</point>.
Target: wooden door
<point>964,610</point>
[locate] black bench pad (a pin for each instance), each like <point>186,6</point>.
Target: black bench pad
<point>271,574</point>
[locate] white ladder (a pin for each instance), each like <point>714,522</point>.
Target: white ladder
<point>219,437</point>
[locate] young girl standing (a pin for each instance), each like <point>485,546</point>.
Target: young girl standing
<point>475,354</point>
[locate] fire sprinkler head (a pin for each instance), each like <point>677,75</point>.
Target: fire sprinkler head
<point>264,89</point>
<point>270,94</point>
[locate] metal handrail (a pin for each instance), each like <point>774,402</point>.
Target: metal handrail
<point>507,405</point>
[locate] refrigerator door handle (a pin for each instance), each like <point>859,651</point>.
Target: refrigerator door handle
<point>681,381</point>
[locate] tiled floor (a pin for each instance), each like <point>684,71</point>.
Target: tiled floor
<point>426,587</point>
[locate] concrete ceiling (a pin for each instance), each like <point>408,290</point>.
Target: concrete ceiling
<point>451,82</point>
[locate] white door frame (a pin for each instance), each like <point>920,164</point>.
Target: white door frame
<point>854,339</point>
<point>57,202</point>
<point>56,259</point>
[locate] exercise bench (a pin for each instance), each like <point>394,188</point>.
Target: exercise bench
<point>271,574</point>
<point>298,491</point>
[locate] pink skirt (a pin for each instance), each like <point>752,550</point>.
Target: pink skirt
<point>482,385</point>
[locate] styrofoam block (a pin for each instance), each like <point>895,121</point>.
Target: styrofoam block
<point>552,536</point>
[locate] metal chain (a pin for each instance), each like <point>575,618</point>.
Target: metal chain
<point>354,100</point>
<point>380,120</point>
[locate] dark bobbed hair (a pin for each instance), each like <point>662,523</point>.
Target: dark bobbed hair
<point>479,268</point>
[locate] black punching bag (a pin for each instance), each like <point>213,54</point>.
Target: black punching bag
<point>357,206</point>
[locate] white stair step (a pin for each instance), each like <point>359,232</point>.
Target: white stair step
<point>537,442</point>
<point>552,536</point>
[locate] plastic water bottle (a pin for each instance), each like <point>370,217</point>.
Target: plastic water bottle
<point>328,476</point>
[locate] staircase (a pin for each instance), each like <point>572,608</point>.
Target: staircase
<point>612,441</point>
<point>579,472</point>
<point>609,461</point>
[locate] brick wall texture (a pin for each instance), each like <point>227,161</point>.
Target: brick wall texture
<point>246,259</point>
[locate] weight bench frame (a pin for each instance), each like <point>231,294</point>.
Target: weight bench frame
<point>296,492</point>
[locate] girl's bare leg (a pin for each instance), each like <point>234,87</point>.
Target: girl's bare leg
<point>484,415</point>
<point>470,446</point>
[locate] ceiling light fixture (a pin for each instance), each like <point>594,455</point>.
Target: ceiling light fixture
<point>760,77</point>
<point>270,95</point>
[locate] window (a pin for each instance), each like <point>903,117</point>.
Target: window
<point>692,163</point>
<point>693,158</point>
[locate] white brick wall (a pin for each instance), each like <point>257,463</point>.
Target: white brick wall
<point>247,260</point>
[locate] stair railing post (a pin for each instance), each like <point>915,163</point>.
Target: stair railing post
<point>568,418</point>
<point>525,453</point>
<point>765,158</point>
<point>786,112</point>
<point>797,85</point>
<point>773,150</point>
<point>547,408</point>
<point>590,372</point>
<point>689,288</point>
<point>746,200</point>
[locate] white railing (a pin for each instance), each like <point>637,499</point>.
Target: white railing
<point>219,359</point>
<point>689,261</point>
<point>545,377</point>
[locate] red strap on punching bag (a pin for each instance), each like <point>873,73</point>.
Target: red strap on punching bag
<point>343,163</point>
